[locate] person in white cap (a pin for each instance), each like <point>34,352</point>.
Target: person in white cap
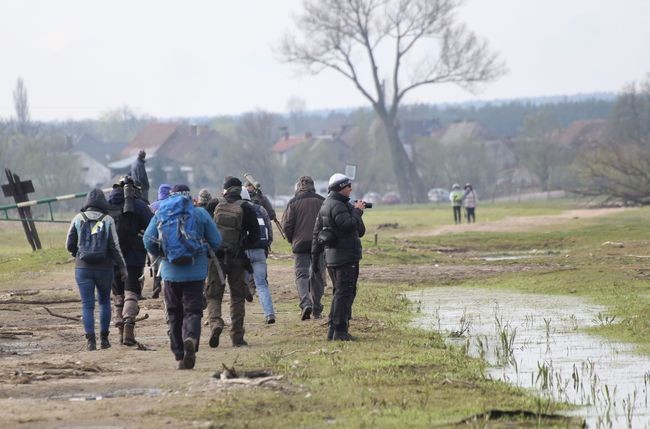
<point>338,231</point>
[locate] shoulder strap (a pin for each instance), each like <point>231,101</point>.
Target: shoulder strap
<point>84,217</point>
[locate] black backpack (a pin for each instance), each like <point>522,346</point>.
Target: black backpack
<point>93,240</point>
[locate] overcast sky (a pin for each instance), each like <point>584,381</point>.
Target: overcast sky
<point>163,58</point>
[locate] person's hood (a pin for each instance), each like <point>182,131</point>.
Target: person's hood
<point>116,197</point>
<point>163,191</point>
<point>96,199</point>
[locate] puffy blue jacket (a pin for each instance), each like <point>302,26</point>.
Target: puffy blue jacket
<point>198,270</point>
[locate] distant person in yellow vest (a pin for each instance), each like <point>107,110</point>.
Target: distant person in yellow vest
<point>456,198</point>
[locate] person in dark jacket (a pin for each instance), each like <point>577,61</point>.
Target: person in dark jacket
<point>257,254</point>
<point>184,283</point>
<point>298,222</point>
<point>99,276</point>
<point>339,228</point>
<point>132,219</point>
<point>139,174</point>
<point>230,265</point>
<point>163,193</point>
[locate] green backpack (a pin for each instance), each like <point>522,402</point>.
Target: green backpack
<point>229,218</point>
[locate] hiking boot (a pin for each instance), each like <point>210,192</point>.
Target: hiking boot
<point>317,315</point>
<point>342,336</point>
<point>155,294</point>
<point>91,343</point>
<point>214,336</point>
<point>305,314</point>
<point>189,359</point>
<point>239,343</point>
<point>249,295</point>
<point>104,340</point>
<point>129,334</point>
<point>120,329</point>
<point>270,319</point>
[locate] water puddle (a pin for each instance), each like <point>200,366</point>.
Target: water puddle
<point>119,393</point>
<point>535,341</point>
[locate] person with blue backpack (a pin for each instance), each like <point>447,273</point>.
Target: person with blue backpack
<point>183,237</point>
<point>92,240</point>
<point>257,253</point>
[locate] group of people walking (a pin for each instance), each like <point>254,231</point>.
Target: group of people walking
<point>198,246</point>
<point>463,198</point>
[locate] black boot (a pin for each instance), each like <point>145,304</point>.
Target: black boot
<point>91,342</point>
<point>104,344</point>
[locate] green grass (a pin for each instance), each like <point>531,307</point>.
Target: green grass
<point>399,376</point>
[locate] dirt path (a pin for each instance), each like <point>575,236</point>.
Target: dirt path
<point>47,379</point>
<point>517,224</point>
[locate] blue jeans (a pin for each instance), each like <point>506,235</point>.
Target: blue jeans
<point>87,280</point>
<point>258,261</point>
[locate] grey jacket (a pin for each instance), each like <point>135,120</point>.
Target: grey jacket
<point>94,208</point>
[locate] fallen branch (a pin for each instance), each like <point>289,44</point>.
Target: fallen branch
<point>251,381</point>
<point>140,319</point>
<point>51,313</point>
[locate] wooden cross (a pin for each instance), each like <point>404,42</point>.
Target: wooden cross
<point>19,190</point>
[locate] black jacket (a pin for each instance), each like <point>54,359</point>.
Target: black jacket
<point>299,218</point>
<point>131,227</point>
<point>341,217</point>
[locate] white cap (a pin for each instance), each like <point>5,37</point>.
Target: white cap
<point>338,181</point>
<point>245,195</point>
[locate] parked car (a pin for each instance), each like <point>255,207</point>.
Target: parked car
<point>391,198</point>
<point>372,197</point>
<point>438,195</point>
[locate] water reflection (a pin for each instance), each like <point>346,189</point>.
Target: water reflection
<point>535,341</point>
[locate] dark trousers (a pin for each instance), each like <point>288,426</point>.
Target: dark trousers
<point>471,215</point>
<point>132,283</point>
<point>345,290</point>
<point>457,216</point>
<point>184,302</point>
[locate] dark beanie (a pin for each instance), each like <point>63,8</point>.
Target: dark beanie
<point>180,188</point>
<point>230,182</point>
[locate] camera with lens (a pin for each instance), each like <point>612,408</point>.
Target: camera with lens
<point>130,192</point>
<point>368,205</point>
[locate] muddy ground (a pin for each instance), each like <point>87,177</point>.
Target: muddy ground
<point>47,379</point>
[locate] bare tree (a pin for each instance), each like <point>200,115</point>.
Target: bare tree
<point>388,48</point>
<point>250,151</point>
<point>21,105</point>
<point>618,167</point>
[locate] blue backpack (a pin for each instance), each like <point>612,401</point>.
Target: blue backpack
<point>177,230</point>
<point>93,240</point>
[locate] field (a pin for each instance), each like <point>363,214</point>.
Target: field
<point>395,375</point>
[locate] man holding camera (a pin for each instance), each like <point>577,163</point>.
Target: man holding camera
<point>132,216</point>
<point>338,231</point>
<point>298,224</point>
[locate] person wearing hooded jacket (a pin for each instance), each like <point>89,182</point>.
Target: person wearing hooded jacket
<point>163,193</point>
<point>184,284</point>
<point>339,228</point>
<point>91,277</point>
<point>131,227</point>
<point>298,224</point>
